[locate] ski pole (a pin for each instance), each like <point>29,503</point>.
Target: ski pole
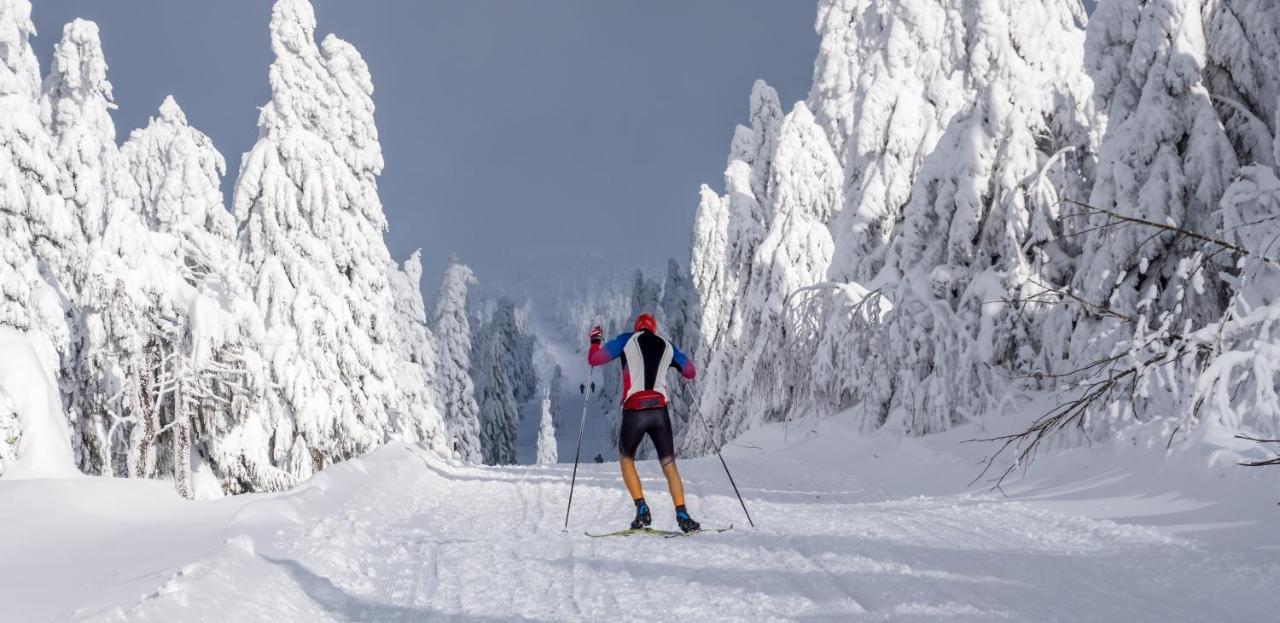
<point>578,454</point>
<point>715,445</point>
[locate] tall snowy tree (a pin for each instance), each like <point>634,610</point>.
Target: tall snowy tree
<point>1189,88</point>
<point>123,286</point>
<point>981,227</point>
<point>891,75</point>
<point>1166,156</point>
<point>949,141</point>
<point>454,370</point>
<point>210,375</point>
<point>505,377</point>
<point>178,170</point>
<point>678,322</point>
<point>76,108</point>
<point>311,228</point>
<point>1239,388</point>
<point>728,229</point>
<point>39,238</point>
<point>548,453</point>
<point>417,407</point>
<point>805,189</point>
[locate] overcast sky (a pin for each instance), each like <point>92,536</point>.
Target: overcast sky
<point>516,133</point>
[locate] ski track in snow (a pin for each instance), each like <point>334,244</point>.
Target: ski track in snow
<point>400,535</point>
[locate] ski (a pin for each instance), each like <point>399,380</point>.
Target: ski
<point>636,532</point>
<point>673,535</point>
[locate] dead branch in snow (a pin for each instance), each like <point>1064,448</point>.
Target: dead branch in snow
<point>1109,377</point>
<point>1273,461</point>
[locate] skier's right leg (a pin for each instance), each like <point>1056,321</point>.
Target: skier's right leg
<point>629,437</point>
<point>664,443</point>
<point>630,477</point>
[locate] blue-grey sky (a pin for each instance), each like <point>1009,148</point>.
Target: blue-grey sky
<point>516,133</point>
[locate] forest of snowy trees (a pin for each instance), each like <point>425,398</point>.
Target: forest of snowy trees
<point>227,350</point>
<point>977,203</point>
<point>982,200</point>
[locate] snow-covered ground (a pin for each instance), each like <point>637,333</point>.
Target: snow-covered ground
<point>849,528</point>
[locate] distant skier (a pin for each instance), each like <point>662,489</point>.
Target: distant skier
<point>645,358</point>
<point>599,458</point>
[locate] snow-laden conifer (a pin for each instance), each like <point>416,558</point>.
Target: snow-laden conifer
<point>1188,89</point>
<point>416,408</point>
<point>310,228</point>
<point>124,285</point>
<point>453,368</point>
<point>548,453</point>
<point>969,250</point>
<point>953,139</point>
<point>805,190</point>
<point>500,371</point>
<point>210,376</point>
<point>39,238</point>
<point>890,77</point>
<point>678,322</point>
<point>728,229</point>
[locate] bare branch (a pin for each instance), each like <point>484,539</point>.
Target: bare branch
<point>1172,228</point>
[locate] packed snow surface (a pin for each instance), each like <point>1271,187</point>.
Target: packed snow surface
<point>849,529</point>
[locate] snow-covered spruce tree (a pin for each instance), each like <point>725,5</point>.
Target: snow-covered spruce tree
<point>76,108</point>
<point>727,232</point>
<point>553,392</point>
<point>177,170</point>
<point>310,228</point>
<point>1188,88</point>
<point>980,231</point>
<point>211,376</point>
<point>805,189</point>
<point>39,241</point>
<point>33,216</point>
<point>678,322</point>
<point>892,80</point>
<point>1166,157</point>
<point>457,392</point>
<point>548,453</point>
<point>891,75</point>
<point>502,366</point>
<point>417,408</point>
<point>1238,386</point>
<point>728,229</point>
<point>125,278</point>
<point>356,139</point>
<point>646,295</point>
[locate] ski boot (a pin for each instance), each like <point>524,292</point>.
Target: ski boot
<point>687,524</point>
<point>643,518</point>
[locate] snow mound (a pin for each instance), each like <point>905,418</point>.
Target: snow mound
<point>28,398</point>
<point>232,584</point>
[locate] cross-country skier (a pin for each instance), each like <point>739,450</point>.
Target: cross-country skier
<point>645,359</point>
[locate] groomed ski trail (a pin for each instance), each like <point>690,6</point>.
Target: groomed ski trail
<point>401,535</point>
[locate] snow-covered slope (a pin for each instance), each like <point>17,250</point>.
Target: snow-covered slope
<point>849,528</point>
